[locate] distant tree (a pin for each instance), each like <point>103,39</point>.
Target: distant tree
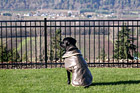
<point>103,54</point>
<point>8,55</point>
<point>136,54</point>
<point>56,51</point>
<point>41,57</point>
<point>25,57</point>
<point>13,55</point>
<point>3,54</point>
<point>124,44</point>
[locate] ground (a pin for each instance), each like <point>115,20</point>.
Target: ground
<point>105,80</point>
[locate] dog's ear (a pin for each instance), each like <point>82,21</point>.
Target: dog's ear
<point>73,41</point>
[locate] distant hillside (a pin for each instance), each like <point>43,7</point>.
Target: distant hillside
<point>68,4</point>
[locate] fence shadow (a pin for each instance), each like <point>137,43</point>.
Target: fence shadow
<point>116,83</point>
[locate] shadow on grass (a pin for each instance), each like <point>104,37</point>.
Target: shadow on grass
<point>116,83</point>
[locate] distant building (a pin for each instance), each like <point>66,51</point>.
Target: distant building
<point>89,16</point>
<point>28,14</point>
<point>69,12</point>
<point>43,14</point>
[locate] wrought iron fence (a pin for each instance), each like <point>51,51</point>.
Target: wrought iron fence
<point>35,43</point>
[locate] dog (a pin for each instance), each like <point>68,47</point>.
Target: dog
<point>75,64</point>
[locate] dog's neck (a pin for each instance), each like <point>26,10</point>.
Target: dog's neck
<point>70,48</point>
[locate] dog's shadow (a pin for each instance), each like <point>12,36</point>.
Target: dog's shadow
<point>116,83</point>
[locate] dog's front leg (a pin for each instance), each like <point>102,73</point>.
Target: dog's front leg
<point>68,76</point>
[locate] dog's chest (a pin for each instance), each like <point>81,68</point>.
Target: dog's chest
<point>70,62</point>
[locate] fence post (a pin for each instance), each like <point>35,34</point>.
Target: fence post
<point>45,37</point>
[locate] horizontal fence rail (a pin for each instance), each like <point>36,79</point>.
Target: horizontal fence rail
<point>36,43</point>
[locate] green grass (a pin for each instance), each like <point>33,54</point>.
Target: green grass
<point>105,80</point>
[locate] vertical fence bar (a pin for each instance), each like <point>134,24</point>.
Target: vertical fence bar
<point>123,39</point>
<point>1,46</point>
<point>26,45</point>
<point>55,46</point>
<point>46,50</point>
<point>31,43</point>
<point>137,44</point>
<point>50,45</point>
<point>108,44</point>
<point>94,43</point>
<point>113,44</point>
<point>118,44</point>
<point>75,29</point>
<point>132,42</point>
<point>79,35</point>
<point>40,56</point>
<point>21,40</point>
<point>6,46</point>
<point>89,42</point>
<point>84,42</point>
<point>11,30</point>
<point>16,40</point>
<point>70,28</point>
<point>45,36</point>
<point>127,37</point>
<point>65,29</point>
<point>60,47</point>
<point>99,41</point>
<point>35,45</point>
<point>104,42</point>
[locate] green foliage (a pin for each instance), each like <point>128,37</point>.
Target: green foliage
<point>86,59</point>
<point>124,44</point>
<point>13,56</point>
<point>86,10</point>
<point>8,55</point>
<point>56,51</point>
<point>25,57</point>
<point>103,54</point>
<point>41,58</point>
<point>137,54</point>
<point>3,54</point>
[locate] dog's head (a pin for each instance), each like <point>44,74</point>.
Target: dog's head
<point>68,42</point>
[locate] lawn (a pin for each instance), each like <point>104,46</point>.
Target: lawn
<point>105,80</point>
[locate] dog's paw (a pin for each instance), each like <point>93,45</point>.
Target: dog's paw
<point>86,86</point>
<point>68,82</point>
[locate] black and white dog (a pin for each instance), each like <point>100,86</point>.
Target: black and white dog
<point>75,64</point>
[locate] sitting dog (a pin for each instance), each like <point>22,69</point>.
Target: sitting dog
<point>75,64</point>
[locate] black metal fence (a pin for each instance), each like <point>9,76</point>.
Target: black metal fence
<point>35,43</point>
